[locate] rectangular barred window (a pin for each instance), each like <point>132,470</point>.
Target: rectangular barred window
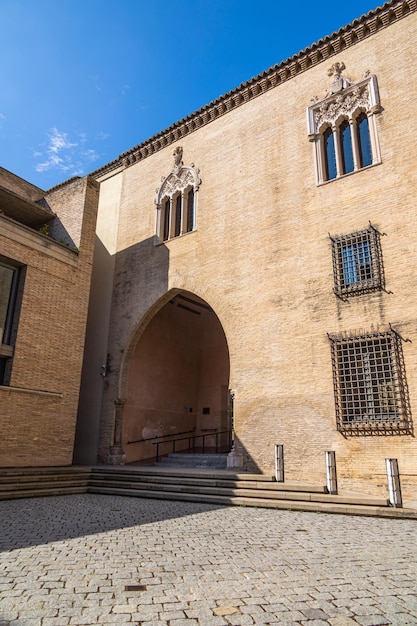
<point>370,387</point>
<point>357,263</point>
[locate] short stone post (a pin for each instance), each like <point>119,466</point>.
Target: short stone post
<point>394,486</point>
<point>279,463</point>
<point>331,476</point>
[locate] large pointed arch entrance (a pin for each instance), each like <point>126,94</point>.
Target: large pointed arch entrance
<point>177,381</point>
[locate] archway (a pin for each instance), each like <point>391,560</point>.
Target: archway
<point>177,381</point>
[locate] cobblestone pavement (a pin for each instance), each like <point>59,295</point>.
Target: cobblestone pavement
<point>76,559</point>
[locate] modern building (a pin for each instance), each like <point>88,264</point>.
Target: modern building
<point>255,268</point>
<point>46,252</point>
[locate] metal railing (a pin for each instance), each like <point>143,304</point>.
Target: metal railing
<point>192,442</point>
<point>184,432</point>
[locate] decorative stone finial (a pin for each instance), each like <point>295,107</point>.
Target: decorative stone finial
<point>177,157</point>
<point>339,82</point>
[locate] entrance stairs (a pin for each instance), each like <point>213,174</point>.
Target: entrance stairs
<point>198,461</point>
<point>218,487</point>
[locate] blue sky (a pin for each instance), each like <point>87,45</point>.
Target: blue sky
<point>85,80</point>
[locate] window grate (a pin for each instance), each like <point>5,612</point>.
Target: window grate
<point>370,387</point>
<point>357,263</point>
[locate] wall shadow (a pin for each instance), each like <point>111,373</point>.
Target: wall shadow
<point>38,521</point>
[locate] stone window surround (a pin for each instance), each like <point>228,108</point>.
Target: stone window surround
<point>346,104</point>
<point>177,184</point>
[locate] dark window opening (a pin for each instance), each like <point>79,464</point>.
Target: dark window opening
<point>178,205</point>
<point>329,154</point>
<point>371,393</point>
<point>357,263</point>
<point>346,147</point>
<point>364,140</point>
<point>11,291</point>
<point>190,211</point>
<point>165,233</point>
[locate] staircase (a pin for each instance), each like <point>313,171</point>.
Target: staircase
<point>197,461</point>
<point>220,487</point>
<point>43,481</point>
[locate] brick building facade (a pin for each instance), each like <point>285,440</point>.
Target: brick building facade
<point>262,251</point>
<point>46,248</point>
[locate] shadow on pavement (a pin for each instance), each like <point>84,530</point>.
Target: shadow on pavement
<point>36,521</point>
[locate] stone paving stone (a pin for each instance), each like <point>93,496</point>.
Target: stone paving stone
<point>341,621</point>
<point>75,555</point>
<point>315,614</point>
<point>373,620</point>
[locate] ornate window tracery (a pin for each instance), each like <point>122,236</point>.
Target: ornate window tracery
<point>343,126</point>
<point>176,200</point>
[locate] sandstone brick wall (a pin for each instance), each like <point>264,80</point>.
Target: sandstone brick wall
<point>261,257</point>
<point>38,409</point>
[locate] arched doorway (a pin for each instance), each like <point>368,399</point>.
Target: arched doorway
<point>177,381</point>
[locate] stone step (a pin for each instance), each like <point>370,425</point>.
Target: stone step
<point>223,487</point>
<point>294,505</point>
<point>230,489</point>
<point>178,459</point>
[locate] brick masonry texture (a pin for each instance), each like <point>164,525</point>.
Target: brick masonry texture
<point>39,409</point>
<point>261,257</point>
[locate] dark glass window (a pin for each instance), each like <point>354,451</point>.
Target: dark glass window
<point>11,286</point>
<point>329,154</point>
<point>190,211</point>
<point>8,291</point>
<point>370,387</point>
<point>167,206</point>
<point>364,140</point>
<point>346,147</point>
<point>178,205</point>
<point>357,263</point>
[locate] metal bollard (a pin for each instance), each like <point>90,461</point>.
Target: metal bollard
<point>279,463</point>
<point>331,476</point>
<point>394,486</point>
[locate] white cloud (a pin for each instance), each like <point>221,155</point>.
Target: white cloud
<point>65,155</point>
<point>102,135</point>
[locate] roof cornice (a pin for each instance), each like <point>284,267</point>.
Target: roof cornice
<point>333,44</point>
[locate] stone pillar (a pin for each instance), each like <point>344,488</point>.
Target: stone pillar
<point>117,455</point>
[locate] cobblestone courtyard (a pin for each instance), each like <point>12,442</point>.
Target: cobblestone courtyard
<point>74,560</point>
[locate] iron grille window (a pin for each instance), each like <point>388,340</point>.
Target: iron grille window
<point>370,387</point>
<point>357,263</point>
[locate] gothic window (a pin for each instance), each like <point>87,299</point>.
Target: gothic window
<point>357,263</point>
<point>176,201</point>
<point>343,126</point>
<point>370,388</point>
<point>10,280</point>
<point>329,152</point>
<point>346,147</point>
<point>364,140</point>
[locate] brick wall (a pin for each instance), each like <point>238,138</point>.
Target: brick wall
<point>38,409</point>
